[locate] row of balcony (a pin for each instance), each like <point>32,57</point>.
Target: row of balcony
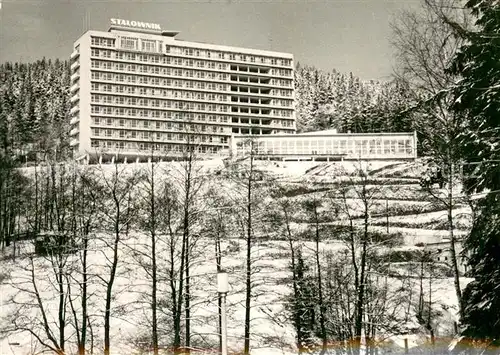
<point>221,140</point>
<point>242,90</point>
<point>148,69</point>
<point>184,67</point>
<point>113,80</point>
<point>190,95</point>
<point>164,104</point>
<point>114,51</point>
<point>242,119</point>
<point>195,111</point>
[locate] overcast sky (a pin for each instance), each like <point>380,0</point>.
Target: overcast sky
<point>346,35</point>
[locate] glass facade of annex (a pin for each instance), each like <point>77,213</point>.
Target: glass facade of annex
<point>344,145</point>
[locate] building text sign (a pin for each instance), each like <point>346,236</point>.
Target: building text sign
<point>135,24</point>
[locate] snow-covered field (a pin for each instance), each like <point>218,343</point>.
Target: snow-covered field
<point>271,332</point>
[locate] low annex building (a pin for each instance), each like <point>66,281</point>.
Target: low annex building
<point>327,145</point>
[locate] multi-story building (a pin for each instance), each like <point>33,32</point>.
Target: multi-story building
<point>137,90</point>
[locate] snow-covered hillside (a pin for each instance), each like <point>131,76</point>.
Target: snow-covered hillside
<point>399,207</point>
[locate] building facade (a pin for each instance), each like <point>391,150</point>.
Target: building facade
<point>327,145</point>
<point>137,90</point>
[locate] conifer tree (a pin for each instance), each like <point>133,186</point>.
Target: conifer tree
<point>477,95</point>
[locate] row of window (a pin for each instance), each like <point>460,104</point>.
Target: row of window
<point>188,84</point>
<point>261,101</point>
<point>152,58</point>
<point>178,95</point>
<point>143,68</point>
<point>158,125</point>
<point>145,45</point>
<point>164,104</point>
<point>102,41</point>
<point>146,147</point>
<point>121,111</point>
<point>154,69</point>
<point>256,121</point>
<point>204,53</point>
<point>182,105</point>
<point>182,116</point>
<point>175,94</point>
<point>199,85</point>
<point>156,80</point>
<point>332,145</point>
<point>158,136</point>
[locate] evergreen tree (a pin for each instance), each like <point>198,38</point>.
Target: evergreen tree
<point>35,103</point>
<point>477,95</point>
<point>327,100</point>
<point>302,306</point>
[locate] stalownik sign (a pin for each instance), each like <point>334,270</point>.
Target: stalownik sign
<point>135,24</point>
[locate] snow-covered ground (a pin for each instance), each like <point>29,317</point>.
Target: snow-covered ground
<point>271,332</point>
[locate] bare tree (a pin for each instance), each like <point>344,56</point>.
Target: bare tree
<point>425,44</point>
<point>352,202</point>
<point>151,202</point>
<point>14,187</point>
<point>248,194</point>
<point>312,207</point>
<point>44,277</point>
<point>85,191</point>
<point>217,228</point>
<point>118,210</point>
<point>282,218</point>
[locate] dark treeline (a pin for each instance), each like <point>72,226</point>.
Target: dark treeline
<point>334,100</point>
<point>34,106</point>
<point>35,97</point>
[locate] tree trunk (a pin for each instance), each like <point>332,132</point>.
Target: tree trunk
<point>83,339</point>
<point>320,288</point>
<point>186,237</point>
<point>154,285</point>
<point>218,262</point>
<point>109,286</point>
<point>297,319</point>
<point>248,293</point>
<point>62,303</point>
<point>451,227</point>
<point>358,323</point>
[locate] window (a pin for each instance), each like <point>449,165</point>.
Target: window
<point>148,45</point>
<point>129,43</point>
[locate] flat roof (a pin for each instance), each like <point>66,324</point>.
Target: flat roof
<point>322,134</point>
<point>168,33</point>
<point>169,38</point>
